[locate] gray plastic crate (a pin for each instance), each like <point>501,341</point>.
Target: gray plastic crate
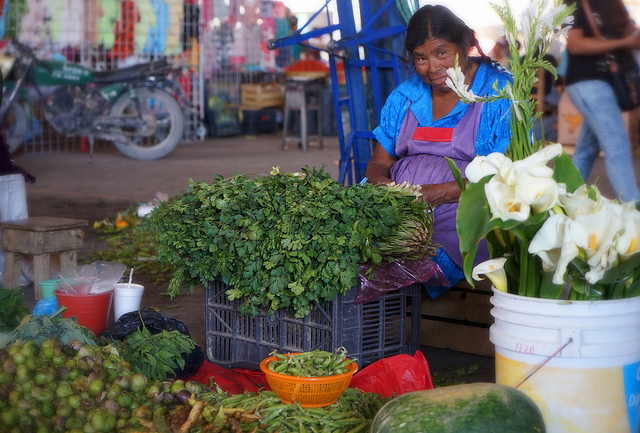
<point>368,332</point>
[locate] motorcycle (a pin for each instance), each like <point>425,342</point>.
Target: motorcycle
<point>138,108</point>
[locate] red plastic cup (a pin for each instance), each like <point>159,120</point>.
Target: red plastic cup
<point>92,311</point>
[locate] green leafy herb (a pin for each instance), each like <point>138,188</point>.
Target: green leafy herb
<point>12,309</point>
<point>285,240</point>
<point>157,356</point>
<point>39,328</point>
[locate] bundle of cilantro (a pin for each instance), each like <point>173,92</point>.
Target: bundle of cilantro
<point>284,240</point>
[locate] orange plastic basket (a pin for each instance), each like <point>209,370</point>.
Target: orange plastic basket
<point>307,391</point>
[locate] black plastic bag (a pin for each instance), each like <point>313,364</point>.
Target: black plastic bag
<point>156,323</point>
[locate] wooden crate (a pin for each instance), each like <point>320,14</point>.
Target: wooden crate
<point>459,319</point>
<point>256,96</point>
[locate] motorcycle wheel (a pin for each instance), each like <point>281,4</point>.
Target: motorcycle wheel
<point>163,129</point>
<point>15,126</point>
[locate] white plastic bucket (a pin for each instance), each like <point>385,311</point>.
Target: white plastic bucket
<point>593,384</point>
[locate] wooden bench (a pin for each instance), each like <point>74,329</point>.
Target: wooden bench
<point>40,237</point>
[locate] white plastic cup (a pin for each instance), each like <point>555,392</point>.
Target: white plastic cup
<point>126,298</point>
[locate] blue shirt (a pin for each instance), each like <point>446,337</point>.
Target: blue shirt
<point>494,129</point>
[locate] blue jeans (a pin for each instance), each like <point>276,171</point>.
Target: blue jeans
<point>603,129</point>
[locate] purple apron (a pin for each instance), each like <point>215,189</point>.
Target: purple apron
<point>421,153</point>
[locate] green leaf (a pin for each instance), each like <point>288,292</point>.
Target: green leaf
<point>566,172</point>
<point>472,230</point>
<point>457,174</point>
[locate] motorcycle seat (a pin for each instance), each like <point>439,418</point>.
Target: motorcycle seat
<point>130,72</point>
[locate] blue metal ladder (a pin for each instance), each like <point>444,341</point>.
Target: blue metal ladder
<point>373,64</point>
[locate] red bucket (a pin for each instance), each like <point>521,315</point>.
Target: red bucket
<point>92,311</point>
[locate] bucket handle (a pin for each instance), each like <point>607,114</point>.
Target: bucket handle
<point>544,362</point>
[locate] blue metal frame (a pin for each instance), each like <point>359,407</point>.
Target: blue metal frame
<point>369,80</point>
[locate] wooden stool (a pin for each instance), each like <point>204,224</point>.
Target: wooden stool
<point>303,96</point>
<point>39,236</point>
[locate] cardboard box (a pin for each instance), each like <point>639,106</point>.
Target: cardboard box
<point>570,122</point>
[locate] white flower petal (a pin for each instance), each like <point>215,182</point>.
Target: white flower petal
<point>540,194</point>
<point>628,242</point>
<point>482,166</point>
<point>494,270</point>
<point>502,202</point>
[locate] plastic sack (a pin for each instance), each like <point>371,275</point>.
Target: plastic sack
<point>233,381</point>
<point>46,307</point>
<point>397,375</point>
<point>156,323</point>
<point>396,275</point>
<point>97,277</point>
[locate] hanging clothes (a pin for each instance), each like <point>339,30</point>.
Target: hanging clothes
<point>144,25</point>
<point>107,23</point>
<point>12,24</point>
<point>55,20</point>
<point>3,17</point>
<point>190,21</point>
<point>124,45</point>
<point>176,15</point>
<point>157,39</point>
<point>32,23</point>
<point>92,15</point>
<point>72,20</point>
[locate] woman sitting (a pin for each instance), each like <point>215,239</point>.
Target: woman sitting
<point>423,120</point>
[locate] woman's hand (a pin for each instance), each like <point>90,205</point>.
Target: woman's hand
<point>379,166</point>
<point>437,194</point>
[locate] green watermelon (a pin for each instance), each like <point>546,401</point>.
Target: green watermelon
<point>468,408</point>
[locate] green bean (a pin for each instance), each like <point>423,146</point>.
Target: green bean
<point>331,413</point>
<point>359,428</point>
<point>342,415</point>
<point>318,411</point>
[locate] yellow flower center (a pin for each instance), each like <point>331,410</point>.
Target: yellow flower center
<point>592,241</point>
<point>632,246</point>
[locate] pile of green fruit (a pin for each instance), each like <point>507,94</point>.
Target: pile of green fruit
<point>80,389</point>
<point>87,388</point>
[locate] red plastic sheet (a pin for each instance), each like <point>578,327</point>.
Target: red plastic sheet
<point>393,375</point>
<point>233,381</point>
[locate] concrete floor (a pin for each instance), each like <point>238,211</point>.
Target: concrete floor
<point>70,186</point>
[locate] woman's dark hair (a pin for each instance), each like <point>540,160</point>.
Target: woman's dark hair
<point>435,21</point>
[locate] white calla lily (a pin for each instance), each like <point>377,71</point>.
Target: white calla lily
<point>595,234</point>
<point>553,248</point>
<point>544,155</point>
<point>494,270</point>
<point>578,202</point>
<point>482,166</point>
<point>628,243</point>
<point>535,165</point>
<point>502,202</point>
<point>539,193</point>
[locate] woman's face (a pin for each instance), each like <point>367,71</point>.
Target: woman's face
<point>433,58</point>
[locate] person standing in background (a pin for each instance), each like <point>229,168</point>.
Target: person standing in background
<point>588,86</point>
